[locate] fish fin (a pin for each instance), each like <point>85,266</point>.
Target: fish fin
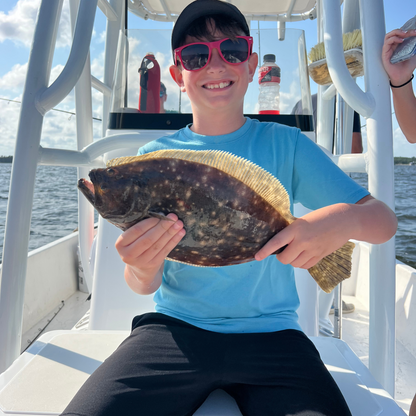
<point>255,177</point>
<point>160,216</point>
<point>334,268</point>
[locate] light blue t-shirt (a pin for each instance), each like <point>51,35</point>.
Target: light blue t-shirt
<point>255,296</point>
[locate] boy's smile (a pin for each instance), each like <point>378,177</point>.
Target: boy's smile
<point>220,85</point>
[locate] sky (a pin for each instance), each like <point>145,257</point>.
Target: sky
<point>17,23</point>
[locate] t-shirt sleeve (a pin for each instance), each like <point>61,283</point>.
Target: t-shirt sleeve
<point>317,181</point>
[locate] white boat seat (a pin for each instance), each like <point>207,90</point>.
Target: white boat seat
<point>43,379</point>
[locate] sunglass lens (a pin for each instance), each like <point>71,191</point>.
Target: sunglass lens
<point>195,56</point>
<point>234,51</point>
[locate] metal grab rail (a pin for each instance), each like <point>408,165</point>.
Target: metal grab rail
<point>48,98</point>
<point>90,156</point>
<point>100,86</point>
<point>380,167</point>
<point>382,337</point>
<point>22,184</point>
<point>360,101</point>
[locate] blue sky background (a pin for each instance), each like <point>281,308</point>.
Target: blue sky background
<point>17,21</point>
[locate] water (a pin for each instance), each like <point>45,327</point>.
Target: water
<point>405,199</point>
<point>54,212</point>
<point>55,204</point>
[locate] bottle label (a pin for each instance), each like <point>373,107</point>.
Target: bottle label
<point>269,74</point>
<point>269,112</point>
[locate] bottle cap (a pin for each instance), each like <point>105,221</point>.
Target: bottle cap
<point>269,58</point>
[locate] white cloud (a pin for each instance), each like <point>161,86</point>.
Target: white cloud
<point>14,80</point>
<point>97,66</point>
<point>99,38</point>
<point>59,129</point>
<point>18,24</point>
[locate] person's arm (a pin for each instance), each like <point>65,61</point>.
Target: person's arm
<point>144,248</point>
<point>321,232</point>
<point>404,99</point>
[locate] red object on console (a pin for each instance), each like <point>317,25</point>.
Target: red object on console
<point>149,71</point>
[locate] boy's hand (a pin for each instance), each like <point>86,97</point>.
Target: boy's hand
<point>308,239</point>
<point>321,232</point>
<point>144,248</point>
<point>401,72</point>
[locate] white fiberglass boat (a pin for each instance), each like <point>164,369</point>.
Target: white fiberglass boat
<point>79,336</point>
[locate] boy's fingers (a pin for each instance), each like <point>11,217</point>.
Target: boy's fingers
<point>133,233</point>
<point>170,221</point>
<point>278,241</point>
<point>291,255</point>
<point>312,262</point>
<point>152,243</point>
<point>142,227</point>
<point>303,260</point>
<point>172,243</point>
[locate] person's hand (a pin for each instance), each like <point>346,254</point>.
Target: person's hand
<point>308,239</point>
<point>401,72</point>
<point>145,246</point>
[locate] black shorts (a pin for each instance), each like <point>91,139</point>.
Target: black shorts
<point>168,367</point>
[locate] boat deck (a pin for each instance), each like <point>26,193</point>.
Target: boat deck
<point>355,328</point>
<point>65,316</point>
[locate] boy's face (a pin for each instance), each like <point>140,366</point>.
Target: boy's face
<point>219,86</point>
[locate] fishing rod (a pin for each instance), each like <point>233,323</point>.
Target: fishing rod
<point>54,109</point>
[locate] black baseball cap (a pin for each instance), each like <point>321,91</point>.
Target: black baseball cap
<point>199,8</point>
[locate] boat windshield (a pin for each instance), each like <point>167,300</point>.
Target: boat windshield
<point>143,83</point>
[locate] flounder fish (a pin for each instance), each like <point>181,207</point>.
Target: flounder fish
<point>230,207</point>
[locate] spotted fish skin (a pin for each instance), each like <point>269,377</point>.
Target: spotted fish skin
<point>229,206</point>
<point>226,222</point>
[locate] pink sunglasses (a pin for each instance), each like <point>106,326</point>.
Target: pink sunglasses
<point>196,56</point>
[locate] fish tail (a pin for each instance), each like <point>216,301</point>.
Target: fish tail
<point>334,268</point>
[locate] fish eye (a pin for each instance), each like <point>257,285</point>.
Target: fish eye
<point>104,187</point>
<point>111,171</point>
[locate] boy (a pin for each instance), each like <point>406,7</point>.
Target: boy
<point>231,327</point>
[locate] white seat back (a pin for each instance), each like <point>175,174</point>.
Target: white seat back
<point>113,303</point>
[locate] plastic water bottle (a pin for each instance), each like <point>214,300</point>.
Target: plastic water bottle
<point>269,86</point>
